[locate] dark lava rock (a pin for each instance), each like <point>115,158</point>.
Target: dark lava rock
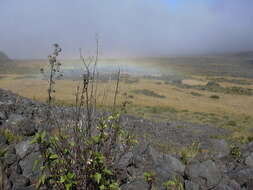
<point>125,160</point>
<point>27,165</point>
<point>206,174</point>
<point>135,185</point>
<point>166,162</point>
<point>4,182</point>
<point>14,119</point>
<point>14,169</point>
<point>227,184</point>
<point>24,188</point>
<point>165,167</point>
<point>3,139</point>
<point>2,116</point>
<point>189,185</point>
<point>219,148</point>
<point>249,160</point>
<point>27,127</point>
<point>19,181</point>
<point>25,147</point>
<point>243,176</point>
<point>10,158</point>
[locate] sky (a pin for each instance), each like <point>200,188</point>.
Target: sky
<point>28,28</point>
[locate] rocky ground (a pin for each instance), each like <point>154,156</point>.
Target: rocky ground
<point>216,165</point>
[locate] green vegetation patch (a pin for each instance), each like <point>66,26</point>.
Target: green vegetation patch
<point>233,81</point>
<point>216,87</point>
<point>196,94</point>
<point>148,93</point>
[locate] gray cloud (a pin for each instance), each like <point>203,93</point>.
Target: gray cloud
<point>126,28</point>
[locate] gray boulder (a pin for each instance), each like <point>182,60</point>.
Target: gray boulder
<point>4,183</point>
<point>3,139</point>
<point>10,158</point>
<point>206,174</point>
<point>25,147</point>
<point>135,185</point>
<point>27,165</point>
<point>219,148</point>
<point>14,169</point>
<point>14,119</point>
<point>166,162</point>
<point>249,160</point>
<point>125,160</point>
<point>2,116</point>
<point>24,188</point>
<point>27,127</point>
<point>243,176</point>
<point>165,167</point>
<point>19,181</point>
<point>228,184</point>
<point>189,185</point>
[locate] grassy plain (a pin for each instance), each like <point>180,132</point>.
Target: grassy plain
<point>160,99</point>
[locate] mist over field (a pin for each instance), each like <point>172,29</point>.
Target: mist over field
<point>126,28</point>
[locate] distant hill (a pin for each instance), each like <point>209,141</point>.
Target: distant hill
<point>3,57</point>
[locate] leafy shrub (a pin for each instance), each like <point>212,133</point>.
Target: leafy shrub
<point>235,152</point>
<point>250,138</point>
<point>149,177</point>
<point>77,160</point>
<point>86,148</point>
<point>189,152</point>
<point>11,136</point>
<point>174,184</point>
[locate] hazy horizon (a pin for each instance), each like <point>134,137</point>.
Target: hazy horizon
<point>129,28</point>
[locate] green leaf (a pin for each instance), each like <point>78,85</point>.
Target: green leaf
<point>35,139</point>
<point>108,172</point>
<point>114,186</point>
<point>102,187</point>
<point>66,151</point>
<point>97,177</point>
<point>70,175</point>
<point>62,179</point>
<point>36,163</point>
<point>41,181</point>
<point>96,139</point>
<point>71,143</point>
<point>68,186</point>
<point>53,157</point>
<point>43,135</point>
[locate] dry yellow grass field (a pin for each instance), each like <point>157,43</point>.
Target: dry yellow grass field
<point>180,99</point>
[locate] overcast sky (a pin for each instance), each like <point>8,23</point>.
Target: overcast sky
<point>126,27</point>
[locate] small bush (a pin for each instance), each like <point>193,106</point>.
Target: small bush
<point>189,152</point>
<point>131,80</point>
<point>250,138</point>
<point>214,97</point>
<point>196,94</point>
<point>11,136</point>
<point>86,149</point>
<point>149,177</point>
<point>148,93</point>
<point>235,152</point>
<point>213,84</point>
<point>174,184</point>
<point>232,123</point>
